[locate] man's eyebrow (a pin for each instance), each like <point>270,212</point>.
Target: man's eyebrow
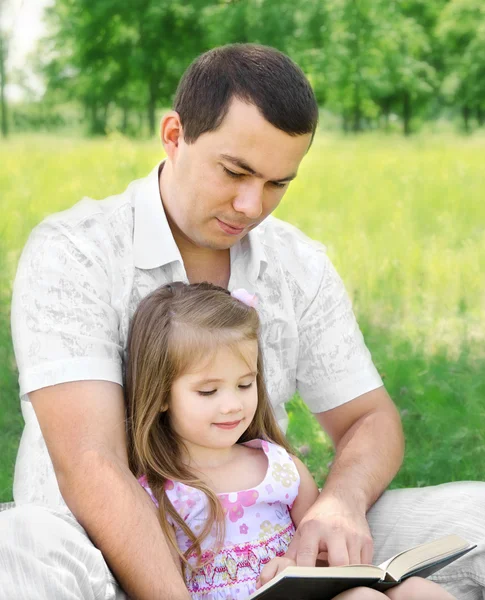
<point>238,162</point>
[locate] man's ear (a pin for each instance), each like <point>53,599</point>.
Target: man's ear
<point>171,133</point>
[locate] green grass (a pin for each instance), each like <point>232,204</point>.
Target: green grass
<point>404,224</point>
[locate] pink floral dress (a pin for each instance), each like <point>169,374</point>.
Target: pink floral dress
<point>258,528</point>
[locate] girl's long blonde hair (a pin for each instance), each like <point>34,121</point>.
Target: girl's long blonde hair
<point>174,328</point>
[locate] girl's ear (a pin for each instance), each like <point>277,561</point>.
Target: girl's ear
<point>164,407</point>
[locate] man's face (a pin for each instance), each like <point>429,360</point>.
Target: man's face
<point>230,179</point>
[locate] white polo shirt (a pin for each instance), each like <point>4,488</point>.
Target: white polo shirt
<point>83,272</point>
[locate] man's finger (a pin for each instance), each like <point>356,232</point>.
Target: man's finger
<point>354,548</point>
<point>307,550</point>
<point>293,547</point>
<point>338,554</point>
<point>367,552</point>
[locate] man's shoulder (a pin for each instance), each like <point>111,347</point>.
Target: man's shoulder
<point>89,232</point>
<point>89,210</point>
<point>287,246</point>
<point>281,235</point>
<point>108,221</point>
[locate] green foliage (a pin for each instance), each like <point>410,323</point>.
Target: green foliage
<point>367,59</point>
<point>404,224</point>
<point>130,55</point>
<point>462,31</point>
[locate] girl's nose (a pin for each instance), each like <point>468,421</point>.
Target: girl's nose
<point>231,404</point>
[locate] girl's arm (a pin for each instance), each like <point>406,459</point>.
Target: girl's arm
<point>307,492</point>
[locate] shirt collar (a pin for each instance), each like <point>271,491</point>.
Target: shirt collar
<point>251,251</point>
<point>154,245</point>
<point>153,242</point>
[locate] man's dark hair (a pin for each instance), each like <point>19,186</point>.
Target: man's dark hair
<point>256,74</point>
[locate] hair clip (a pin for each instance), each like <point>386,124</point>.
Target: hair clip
<point>245,297</point>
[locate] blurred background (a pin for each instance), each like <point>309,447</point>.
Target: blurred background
<point>393,184</point>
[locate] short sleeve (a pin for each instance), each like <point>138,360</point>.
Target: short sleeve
<point>64,327</point>
<point>334,364</point>
<point>169,485</point>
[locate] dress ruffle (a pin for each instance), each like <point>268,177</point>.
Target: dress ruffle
<point>232,572</point>
<point>258,528</point>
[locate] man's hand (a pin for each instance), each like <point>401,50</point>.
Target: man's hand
<point>273,568</point>
<point>364,464</point>
<point>334,530</point>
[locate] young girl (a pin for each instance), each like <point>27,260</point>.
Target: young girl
<point>207,448</point>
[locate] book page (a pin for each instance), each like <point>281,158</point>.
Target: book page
<point>420,556</point>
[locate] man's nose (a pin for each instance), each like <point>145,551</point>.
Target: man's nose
<point>249,200</point>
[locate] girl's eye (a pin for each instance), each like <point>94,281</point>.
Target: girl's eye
<point>279,185</point>
<point>246,387</point>
<point>232,174</point>
<point>206,393</point>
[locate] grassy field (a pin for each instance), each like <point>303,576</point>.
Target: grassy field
<point>403,222</point>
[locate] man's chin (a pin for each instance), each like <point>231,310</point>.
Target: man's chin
<point>221,245</point>
<point>222,241</point>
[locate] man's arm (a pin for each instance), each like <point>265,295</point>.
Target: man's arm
<point>369,444</point>
<point>83,424</point>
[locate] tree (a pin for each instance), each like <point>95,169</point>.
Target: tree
<point>349,59</point>
<point>403,76</point>
<point>168,36</point>
<point>126,54</point>
<point>461,30</point>
<point>3,72</point>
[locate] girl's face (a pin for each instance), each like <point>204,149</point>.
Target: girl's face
<point>212,406</point>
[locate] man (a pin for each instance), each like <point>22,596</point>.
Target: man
<point>244,117</point>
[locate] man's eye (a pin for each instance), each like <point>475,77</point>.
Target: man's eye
<point>206,392</point>
<point>246,387</point>
<point>232,174</point>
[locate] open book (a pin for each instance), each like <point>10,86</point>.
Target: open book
<point>324,583</point>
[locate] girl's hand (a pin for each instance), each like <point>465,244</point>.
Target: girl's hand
<point>275,566</point>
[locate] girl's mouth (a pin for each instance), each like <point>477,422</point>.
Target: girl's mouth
<point>230,425</point>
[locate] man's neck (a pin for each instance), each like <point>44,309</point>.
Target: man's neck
<point>201,264</point>
<point>207,265</point>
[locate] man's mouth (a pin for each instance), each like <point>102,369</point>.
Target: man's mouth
<point>230,229</point>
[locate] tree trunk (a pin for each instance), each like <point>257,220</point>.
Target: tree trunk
<point>345,122</point>
<point>104,122</point>
<point>357,108</point>
<point>125,118</point>
<point>97,127</point>
<point>3,84</point>
<point>140,123</point>
<point>466,118</point>
<point>480,117</point>
<point>94,117</point>
<point>357,117</point>
<point>386,111</point>
<point>406,113</point>
<point>152,104</point>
